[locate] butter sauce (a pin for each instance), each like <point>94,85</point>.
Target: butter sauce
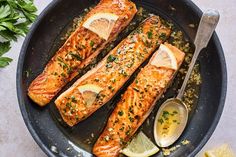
<point>169,121</point>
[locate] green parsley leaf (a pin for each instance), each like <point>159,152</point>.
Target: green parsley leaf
<point>149,34</point>
<point>91,43</point>
<point>5,11</point>
<point>15,18</point>
<point>120,113</point>
<point>4,47</point>
<point>111,58</point>
<point>4,61</point>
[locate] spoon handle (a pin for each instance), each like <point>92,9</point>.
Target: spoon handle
<point>205,30</point>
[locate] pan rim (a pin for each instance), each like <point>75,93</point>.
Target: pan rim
<point>21,101</point>
<point>21,59</point>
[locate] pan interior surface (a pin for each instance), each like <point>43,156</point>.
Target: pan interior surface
<point>57,139</point>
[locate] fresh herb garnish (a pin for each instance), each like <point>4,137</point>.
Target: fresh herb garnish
<point>73,99</point>
<point>162,36</point>
<point>122,128</point>
<point>76,56</point>
<point>111,58</point>
<point>131,110</point>
<point>83,46</point>
<point>63,74</point>
<point>127,132</point>
<point>68,105</point>
<point>62,63</point>
<point>175,112</point>
<point>28,73</point>
<point>120,113</point>
<point>113,80</point>
<point>149,34</point>
<point>109,65</point>
<point>131,63</point>
<point>136,89</point>
<point>131,119</point>
<point>161,121</point>
<point>15,17</point>
<point>165,114</point>
<point>4,47</point>
<point>91,43</point>
<point>123,72</point>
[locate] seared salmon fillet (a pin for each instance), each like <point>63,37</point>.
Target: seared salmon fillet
<point>100,84</point>
<point>135,105</point>
<point>78,51</point>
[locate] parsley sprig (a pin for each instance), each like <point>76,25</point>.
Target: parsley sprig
<point>15,18</point>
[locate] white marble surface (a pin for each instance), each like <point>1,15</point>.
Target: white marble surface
<point>15,139</point>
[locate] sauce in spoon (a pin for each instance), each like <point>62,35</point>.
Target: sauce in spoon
<point>171,117</point>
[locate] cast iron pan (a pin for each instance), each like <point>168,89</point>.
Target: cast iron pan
<point>52,134</point>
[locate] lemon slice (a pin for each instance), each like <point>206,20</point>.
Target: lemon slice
<point>89,93</point>
<point>222,151</point>
<point>140,146</point>
<point>101,24</point>
<point>164,58</point>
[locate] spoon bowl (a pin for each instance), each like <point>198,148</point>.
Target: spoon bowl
<point>170,122</point>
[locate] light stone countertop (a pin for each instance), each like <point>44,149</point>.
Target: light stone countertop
<point>16,141</point>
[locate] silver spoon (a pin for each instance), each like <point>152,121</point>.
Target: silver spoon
<point>167,131</point>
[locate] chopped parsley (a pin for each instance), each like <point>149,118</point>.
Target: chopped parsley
<point>127,132</point>
<point>131,63</point>
<point>62,63</point>
<point>162,36</point>
<point>161,120</point>
<point>91,43</point>
<point>68,105</point>
<point>175,112</point>
<point>113,80</point>
<point>165,114</point>
<point>73,99</point>
<point>120,113</point>
<point>149,35</point>
<point>131,110</point>
<point>77,117</point>
<point>136,89</point>
<point>124,73</point>
<point>63,74</point>
<point>83,46</point>
<point>76,56</point>
<point>111,58</point>
<point>109,65</point>
<point>131,119</point>
<point>122,128</point>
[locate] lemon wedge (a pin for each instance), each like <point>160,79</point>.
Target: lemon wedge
<point>222,151</point>
<point>89,93</point>
<point>164,58</point>
<point>140,146</point>
<point>101,24</point>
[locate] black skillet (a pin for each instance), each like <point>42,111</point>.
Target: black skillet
<point>57,139</point>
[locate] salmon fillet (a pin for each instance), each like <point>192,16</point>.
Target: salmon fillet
<point>78,51</point>
<point>112,72</point>
<point>135,106</point>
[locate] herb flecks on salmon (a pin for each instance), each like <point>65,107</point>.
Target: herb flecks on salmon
<point>113,71</point>
<point>135,105</point>
<point>78,51</point>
